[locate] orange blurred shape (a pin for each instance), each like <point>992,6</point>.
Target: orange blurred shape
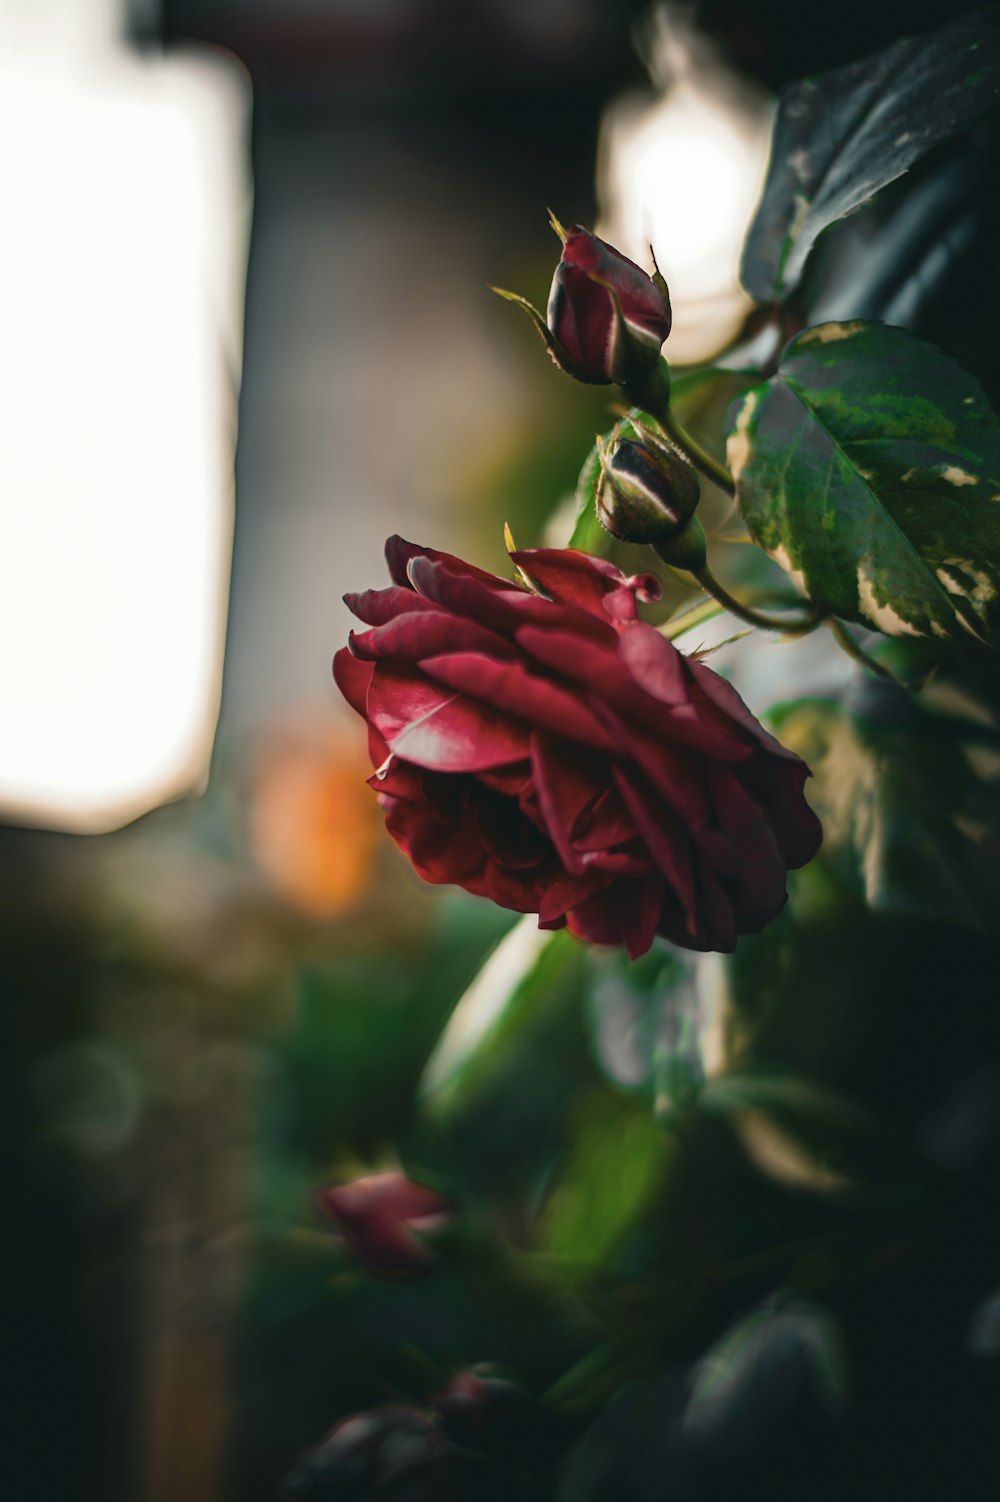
<point>313,819</point>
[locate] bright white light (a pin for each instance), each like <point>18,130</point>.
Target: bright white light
<point>121,281</point>
<point>683,174</point>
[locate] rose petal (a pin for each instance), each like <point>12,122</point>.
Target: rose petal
<point>501,606</point>
<point>677,776</point>
<point>655,664</point>
<point>666,840</point>
<point>399,554</point>
<point>510,687</point>
<point>718,928</point>
<point>717,693</point>
<point>605,825</point>
<point>427,633</point>
<point>567,782</point>
<point>605,681</point>
<point>509,780</point>
<point>567,891</point>
<point>778,786</point>
<point>638,297</point>
<point>424,723</point>
<point>511,840</point>
<point>440,852</point>
<point>581,315</point>
<point>520,891</point>
<point>632,862</point>
<point>626,913</point>
<point>394,777</point>
<point>376,606</point>
<point>353,678</point>
<point>571,577</point>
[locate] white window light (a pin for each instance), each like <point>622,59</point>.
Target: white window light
<point>682,171</point>
<point>123,232</point>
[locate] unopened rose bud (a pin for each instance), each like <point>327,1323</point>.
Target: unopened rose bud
<point>606,318</point>
<point>383,1219</point>
<point>645,492</point>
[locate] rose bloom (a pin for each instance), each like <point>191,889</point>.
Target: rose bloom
<point>544,747</point>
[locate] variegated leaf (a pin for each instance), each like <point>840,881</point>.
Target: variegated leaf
<point>868,466</point>
<point>842,137</point>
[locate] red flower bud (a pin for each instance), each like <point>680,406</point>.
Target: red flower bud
<point>382,1219</point>
<point>606,318</point>
<point>558,755</point>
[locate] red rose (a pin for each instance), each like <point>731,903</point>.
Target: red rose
<point>606,315</point>
<point>555,753</point>
<point>382,1219</point>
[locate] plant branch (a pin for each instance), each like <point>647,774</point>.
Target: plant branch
<point>753,617</point>
<point>691,450</point>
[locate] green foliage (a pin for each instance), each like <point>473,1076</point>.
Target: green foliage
<point>869,465</point>
<point>614,1165</point>
<point>842,137</point>
<point>909,804</point>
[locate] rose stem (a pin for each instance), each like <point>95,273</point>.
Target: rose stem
<point>654,397</point>
<point>711,586</point>
<point>846,641</point>
<point>691,449</point>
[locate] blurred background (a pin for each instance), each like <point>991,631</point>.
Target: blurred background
<point>247,335</point>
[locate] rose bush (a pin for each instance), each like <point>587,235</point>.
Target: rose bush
<point>544,747</point>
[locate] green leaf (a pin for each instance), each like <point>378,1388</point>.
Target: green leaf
<point>910,808</point>
<point>842,137</point>
<point>798,1132</point>
<point>752,1377</point>
<point>869,466</point>
<point>646,1023</point>
<point>588,535</point>
<point>513,1059</point>
<point>512,983</point>
<point>614,1164</point>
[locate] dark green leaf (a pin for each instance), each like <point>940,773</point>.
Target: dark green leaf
<point>869,466</point>
<point>752,1378</point>
<point>842,137</point>
<point>910,810</point>
<point>799,1133</point>
<point>648,1019</point>
<point>587,533</point>
<point>614,1164</point>
<point>512,984</point>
